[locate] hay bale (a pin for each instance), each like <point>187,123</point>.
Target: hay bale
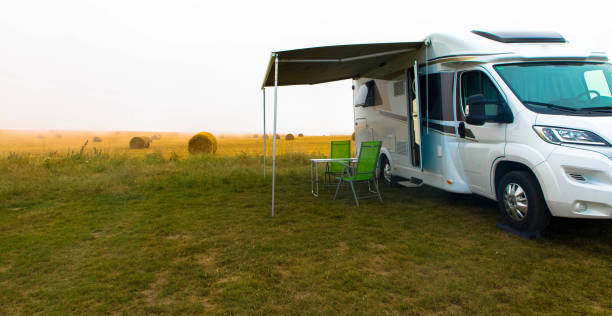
<point>140,142</point>
<point>156,137</point>
<point>97,139</point>
<point>202,143</point>
<point>289,137</point>
<point>255,136</point>
<point>353,136</point>
<point>277,136</point>
<point>300,135</point>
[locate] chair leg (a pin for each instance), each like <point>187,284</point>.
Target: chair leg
<point>354,194</point>
<point>338,188</point>
<point>378,191</point>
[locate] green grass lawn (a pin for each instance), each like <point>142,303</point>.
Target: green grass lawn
<point>112,234</point>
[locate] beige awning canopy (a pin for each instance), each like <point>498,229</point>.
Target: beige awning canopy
<point>331,63</point>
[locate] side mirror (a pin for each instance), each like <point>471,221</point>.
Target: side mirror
<point>475,110</point>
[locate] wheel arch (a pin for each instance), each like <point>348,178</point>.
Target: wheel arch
<point>504,166</point>
<point>384,153</point>
<point>542,218</point>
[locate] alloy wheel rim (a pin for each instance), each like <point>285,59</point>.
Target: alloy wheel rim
<point>515,201</point>
<point>387,172</point>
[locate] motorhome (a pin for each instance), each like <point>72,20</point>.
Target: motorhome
<point>524,118</point>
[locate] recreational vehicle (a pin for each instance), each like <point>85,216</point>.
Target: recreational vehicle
<point>524,118</point>
<point>521,118</point>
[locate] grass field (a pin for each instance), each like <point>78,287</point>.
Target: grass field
<point>45,143</point>
<point>117,232</point>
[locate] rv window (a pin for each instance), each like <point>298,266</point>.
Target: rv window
<point>368,95</point>
<point>436,96</point>
<point>371,97</point>
<point>476,82</point>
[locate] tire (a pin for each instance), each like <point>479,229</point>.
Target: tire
<point>385,173</point>
<point>521,201</point>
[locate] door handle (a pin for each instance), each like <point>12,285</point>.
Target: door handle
<point>461,129</point>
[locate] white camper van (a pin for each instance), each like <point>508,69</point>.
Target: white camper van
<point>523,118</point>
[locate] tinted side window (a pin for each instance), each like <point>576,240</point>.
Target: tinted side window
<point>440,93</point>
<point>476,82</point>
<point>371,97</point>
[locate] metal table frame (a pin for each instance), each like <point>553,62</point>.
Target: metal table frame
<point>314,171</point>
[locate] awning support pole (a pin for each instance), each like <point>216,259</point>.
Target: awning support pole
<point>263,90</point>
<point>274,131</point>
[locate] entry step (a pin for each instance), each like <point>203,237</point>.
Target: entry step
<point>412,183</point>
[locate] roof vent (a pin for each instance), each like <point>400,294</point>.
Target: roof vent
<point>522,37</point>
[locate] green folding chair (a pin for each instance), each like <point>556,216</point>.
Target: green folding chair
<point>339,149</point>
<point>364,172</point>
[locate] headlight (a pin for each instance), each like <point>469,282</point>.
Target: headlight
<point>558,135</point>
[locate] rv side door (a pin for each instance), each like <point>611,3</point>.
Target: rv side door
<point>414,117</point>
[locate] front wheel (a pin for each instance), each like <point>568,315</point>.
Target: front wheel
<point>521,201</point>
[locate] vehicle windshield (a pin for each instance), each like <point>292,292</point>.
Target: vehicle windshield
<point>561,87</point>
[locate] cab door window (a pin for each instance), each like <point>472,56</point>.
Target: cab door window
<point>476,82</point>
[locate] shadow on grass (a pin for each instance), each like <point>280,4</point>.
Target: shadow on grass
<point>562,230</point>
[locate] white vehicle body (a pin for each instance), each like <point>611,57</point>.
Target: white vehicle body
<point>446,152</point>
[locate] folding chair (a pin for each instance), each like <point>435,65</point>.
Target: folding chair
<point>364,172</point>
<point>339,149</point>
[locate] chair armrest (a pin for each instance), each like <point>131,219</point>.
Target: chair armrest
<point>347,168</point>
<point>343,164</point>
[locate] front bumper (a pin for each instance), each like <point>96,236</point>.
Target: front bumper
<point>577,183</point>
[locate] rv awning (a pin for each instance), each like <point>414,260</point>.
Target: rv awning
<point>331,63</point>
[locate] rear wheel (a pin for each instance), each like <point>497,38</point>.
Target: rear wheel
<point>385,172</point>
<point>521,201</point>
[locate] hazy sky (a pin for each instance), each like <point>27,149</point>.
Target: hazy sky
<point>198,65</point>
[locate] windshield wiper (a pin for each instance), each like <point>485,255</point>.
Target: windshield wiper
<point>550,105</point>
<point>597,108</point>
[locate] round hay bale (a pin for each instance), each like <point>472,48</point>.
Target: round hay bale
<point>140,142</point>
<point>97,139</point>
<point>202,143</point>
<point>300,135</point>
<point>255,136</point>
<point>156,137</point>
<point>277,136</point>
<point>289,137</point>
<point>353,136</point>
